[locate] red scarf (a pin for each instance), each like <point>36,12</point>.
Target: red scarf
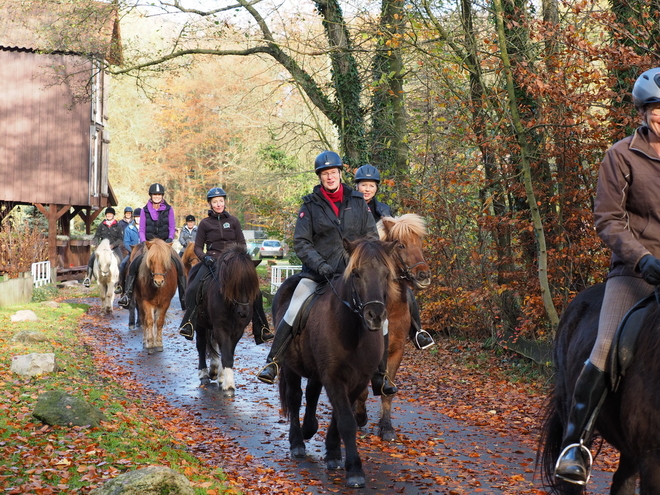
<point>334,197</point>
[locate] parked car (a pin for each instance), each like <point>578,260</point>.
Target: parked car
<point>271,248</point>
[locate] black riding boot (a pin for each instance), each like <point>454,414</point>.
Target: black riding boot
<point>260,328</point>
<point>187,328</point>
<point>125,299</point>
<point>380,382</point>
<point>283,336</point>
<point>90,270</point>
<point>181,284</point>
<point>574,463</point>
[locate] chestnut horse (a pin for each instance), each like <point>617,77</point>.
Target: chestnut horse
<point>630,416</point>
<point>339,348</point>
<point>106,272</point>
<point>224,312</point>
<point>413,271</point>
<point>189,258</point>
<point>155,285</point>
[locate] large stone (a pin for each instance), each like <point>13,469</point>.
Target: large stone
<point>34,364</point>
<point>59,408</point>
<point>29,336</point>
<point>24,315</point>
<point>51,304</point>
<point>153,480</point>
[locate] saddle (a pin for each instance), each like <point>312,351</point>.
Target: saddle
<point>625,339</point>
<point>303,315</point>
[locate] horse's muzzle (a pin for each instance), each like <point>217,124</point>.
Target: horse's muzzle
<point>374,314</point>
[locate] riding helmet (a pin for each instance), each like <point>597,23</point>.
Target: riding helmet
<point>367,172</point>
<point>137,212</point>
<point>127,209</point>
<point>156,189</point>
<point>647,89</point>
<point>216,192</point>
<point>190,218</point>
<point>326,160</point>
<point>109,209</point>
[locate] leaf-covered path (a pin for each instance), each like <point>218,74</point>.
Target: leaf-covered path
<point>463,428</point>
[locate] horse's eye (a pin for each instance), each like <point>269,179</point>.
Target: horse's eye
<point>401,245</point>
<point>356,274</point>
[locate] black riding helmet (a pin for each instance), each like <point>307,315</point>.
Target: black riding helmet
<point>326,160</point>
<point>156,189</point>
<point>190,218</point>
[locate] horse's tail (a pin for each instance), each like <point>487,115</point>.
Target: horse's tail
<point>552,432</point>
<point>284,392</point>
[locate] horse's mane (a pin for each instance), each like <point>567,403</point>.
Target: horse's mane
<point>104,245</point>
<point>236,274</point>
<point>157,251</point>
<point>366,250</point>
<point>406,227</point>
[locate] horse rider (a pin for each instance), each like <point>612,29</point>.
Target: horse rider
<point>156,222</point>
<point>367,181</point>
<point>108,229</point>
<point>629,224</point>
<point>127,220</point>
<point>332,212</point>
<point>216,232</point>
<point>188,233</point>
<point>131,238</point>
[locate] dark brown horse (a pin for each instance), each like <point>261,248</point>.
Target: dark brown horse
<point>339,348</point>
<point>630,416</point>
<point>155,285</point>
<point>413,271</point>
<point>225,311</point>
<point>189,258</point>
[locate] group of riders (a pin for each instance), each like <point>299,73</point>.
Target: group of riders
<point>626,216</point>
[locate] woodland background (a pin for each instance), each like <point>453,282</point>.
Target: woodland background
<point>487,118</point>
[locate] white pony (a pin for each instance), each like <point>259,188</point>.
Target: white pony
<point>106,272</point>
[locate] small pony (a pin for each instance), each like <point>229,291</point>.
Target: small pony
<point>106,272</point>
<point>630,416</point>
<point>339,348</point>
<point>189,258</point>
<point>224,312</point>
<point>407,231</point>
<point>155,285</point>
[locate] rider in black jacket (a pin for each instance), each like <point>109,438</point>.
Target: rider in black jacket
<point>332,212</point>
<point>107,229</point>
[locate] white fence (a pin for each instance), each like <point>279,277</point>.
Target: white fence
<point>279,273</point>
<point>40,273</point>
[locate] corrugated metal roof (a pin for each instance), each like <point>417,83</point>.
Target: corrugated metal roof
<point>85,27</point>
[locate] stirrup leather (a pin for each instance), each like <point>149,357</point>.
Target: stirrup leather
<point>418,345</point>
<point>591,460</point>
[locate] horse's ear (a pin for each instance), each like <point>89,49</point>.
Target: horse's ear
<point>256,263</point>
<point>148,244</point>
<point>389,246</point>
<point>348,245</point>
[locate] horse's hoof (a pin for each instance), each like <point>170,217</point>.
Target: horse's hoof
<point>362,419</point>
<point>230,392</point>
<point>334,464</point>
<point>205,381</point>
<point>388,435</point>
<point>150,350</point>
<point>356,481</point>
<point>309,429</point>
<point>131,327</point>
<point>298,452</point>
<point>159,348</point>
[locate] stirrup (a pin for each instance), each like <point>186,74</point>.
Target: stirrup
<point>418,344</point>
<point>588,468</point>
<point>187,330</point>
<point>124,301</point>
<point>265,334</point>
<point>86,282</point>
<point>268,380</point>
<point>118,289</point>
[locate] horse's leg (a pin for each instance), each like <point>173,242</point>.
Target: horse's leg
<point>215,369</point>
<point>649,474</point>
<point>624,481</point>
<point>291,382</point>
<point>396,346</point>
<point>148,329</point>
<point>312,393</point>
<point>161,313</point>
<point>227,351</point>
<point>360,408</point>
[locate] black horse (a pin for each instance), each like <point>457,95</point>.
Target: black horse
<point>224,312</point>
<point>630,416</point>
<point>339,348</point>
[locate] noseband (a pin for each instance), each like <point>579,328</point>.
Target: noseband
<point>405,270</point>
<point>356,305</point>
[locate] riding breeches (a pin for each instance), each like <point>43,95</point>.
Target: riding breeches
<point>621,294</point>
<point>304,289</point>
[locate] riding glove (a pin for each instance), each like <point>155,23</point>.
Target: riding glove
<point>650,267</point>
<point>209,261</point>
<point>168,240</point>
<point>326,270</point>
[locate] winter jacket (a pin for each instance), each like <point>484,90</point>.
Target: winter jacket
<point>157,224</point>
<point>110,231</point>
<point>187,235</point>
<point>216,233</point>
<point>627,209</point>
<point>318,234</point>
<point>131,236</point>
<point>378,209</point>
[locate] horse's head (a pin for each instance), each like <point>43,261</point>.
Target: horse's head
<point>371,276</point>
<point>105,258</point>
<point>408,231</point>
<point>238,280</point>
<point>158,260</point>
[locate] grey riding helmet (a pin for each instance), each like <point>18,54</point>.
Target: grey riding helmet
<point>647,89</point>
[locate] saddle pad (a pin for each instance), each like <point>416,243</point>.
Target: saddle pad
<point>623,345</point>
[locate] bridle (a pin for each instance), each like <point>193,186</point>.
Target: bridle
<point>405,271</point>
<point>356,305</point>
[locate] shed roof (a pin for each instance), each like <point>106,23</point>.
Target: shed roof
<point>85,27</point>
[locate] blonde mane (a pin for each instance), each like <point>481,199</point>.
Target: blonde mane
<point>408,226</point>
<point>157,251</point>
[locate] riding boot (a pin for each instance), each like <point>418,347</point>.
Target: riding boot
<point>380,382</point>
<point>574,463</point>
<point>181,284</point>
<point>125,299</point>
<point>283,336</point>
<point>260,327</point>
<point>420,337</point>
<point>189,322</point>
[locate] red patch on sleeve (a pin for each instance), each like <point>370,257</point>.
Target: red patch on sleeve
<point>302,214</point>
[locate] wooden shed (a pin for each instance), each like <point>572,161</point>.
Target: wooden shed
<point>53,114</point>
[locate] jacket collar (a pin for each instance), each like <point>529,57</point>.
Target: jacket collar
<point>640,142</point>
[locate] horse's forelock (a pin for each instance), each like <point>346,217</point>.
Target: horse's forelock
<point>158,252</point>
<point>408,227</point>
<point>237,275</point>
<point>363,253</point>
